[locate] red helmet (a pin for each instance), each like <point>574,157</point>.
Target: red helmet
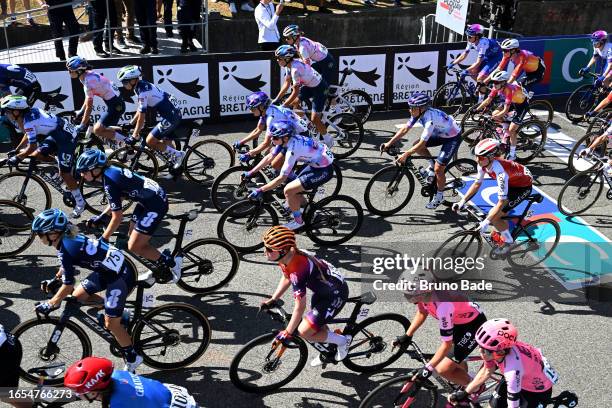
<point>88,375</point>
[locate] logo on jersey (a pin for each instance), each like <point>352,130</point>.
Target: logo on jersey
<point>252,84</point>
<point>422,74</point>
<point>191,88</point>
<point>368,77</point>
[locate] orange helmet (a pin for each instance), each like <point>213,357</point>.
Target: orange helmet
<point>279,238</point>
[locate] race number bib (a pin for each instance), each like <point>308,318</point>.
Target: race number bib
<point>114,259</point>
<point>151,185</point>
<point>549,371</point>
<point>69,128</point>
<point>180,397</point>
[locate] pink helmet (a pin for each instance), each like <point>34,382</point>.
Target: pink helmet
<point>599,35</point>
<point>496,335</point>
<point>474,29</point>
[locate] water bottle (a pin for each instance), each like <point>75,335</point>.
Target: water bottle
<point>430,176</point>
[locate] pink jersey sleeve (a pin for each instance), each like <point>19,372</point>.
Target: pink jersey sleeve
<point>445,312</point>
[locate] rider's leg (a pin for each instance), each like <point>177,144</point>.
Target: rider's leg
<point>453,372</point>
<point>294,199</point>
<point>512,130</point>
<point>114,109</point>
<point>139,243</point>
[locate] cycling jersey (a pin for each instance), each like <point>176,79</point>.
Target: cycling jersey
<point>306,150</point>
<point>304,75</point>
<point>150,95</point>
<point>120,183</point>
<point>604,53</point>
<point>509,174</point>
<point>133,391</point>
<point>450,314</point>
<point>276,113</point>
<point>436,123</point>
<point>311,51</point>
<point>523,61</point>
<point>487,48</point>
<point>14,75</point>
<point>512,93</point>
<point>38,122</point>
<point>306,271</point>
<point>95,84</point>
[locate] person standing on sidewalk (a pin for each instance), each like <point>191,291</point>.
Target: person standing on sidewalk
<point>60,13</point>
<point>27,7</point>
<point>188,14</point>
<point>147,22</point>
<point>266,16</point>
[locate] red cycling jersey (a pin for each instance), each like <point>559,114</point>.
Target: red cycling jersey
<point>509,174</point>
<point>523,61</point>
<point>513,93</point>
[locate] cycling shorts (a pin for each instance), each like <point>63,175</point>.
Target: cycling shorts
<point>117,286</point>
<point>114,109</point>
<point>64,150</point>
<point>327,68</point>
<point>532,78</point>
<point>148,218</point>
<point>488,65</point>
<point>449,147</point>
<point>324,306</point>
<point>165,129</point>
<point>318,95</point>
<point>464,338</point>
<point>528,399</point>
<point>313,177</point>
<point>520,111</point>
<point>30,92</point>
<point>10,355</point>
<point>516,195</point>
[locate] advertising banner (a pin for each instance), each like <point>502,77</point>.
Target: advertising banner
<point>367,74</point>
<point>189,85</point>
<point>239,79</point>
<point>414,72</point>
<point>452,14</point>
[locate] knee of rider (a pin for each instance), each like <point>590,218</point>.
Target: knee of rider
<point>97,127</point>
<point>134,245</point>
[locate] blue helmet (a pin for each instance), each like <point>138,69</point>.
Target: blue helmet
<point>281,129</point>
<point>292,30</point>
<point>418,100</point>
<point>90,159</point>
<point>474,29</point>
<point>285,51</point>
<point>50,220</point>
<point>257,99</point>
<point>77,63</point>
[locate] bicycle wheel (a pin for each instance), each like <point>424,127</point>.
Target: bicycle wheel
<point>171,336</point>
<point>333,220</point>
<point>208,264</point>
<point>470,119</point>
<point>600,122</point>
<point>34,335</point>
<point>95,198</point>
<point>576,163</point>
<point>244,223</point>
<point>476,134</point>
<point>580,192</point>
<point>357,102</point>
<point>541,110</point>
<point>580,102</point>
<point>395,393</point>
<point>35,196</point>
<point>207,159</point>
<point>463,244</point>
<point>534,242</point>
<point>371,349</point>
<point>260,368</point>
<point>229,187</point>
<point>389,190</point>
<point>450,98</point>
<point>456,173</point>
<point>15,228</point>
<point>147,164</point>
<point>347,132</point>
<point>530,141</point>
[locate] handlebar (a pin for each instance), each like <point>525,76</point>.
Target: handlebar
<point>276,311</point>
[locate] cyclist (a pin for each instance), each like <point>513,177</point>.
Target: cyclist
<point>439,129</point>
<point>602,54</point>
<point>528,377</point>
<point>152,205</point>
<point>604,138</point>
<point>514,183</point>
<point>604,102</point>
<point>302,270</point>
<point>514,99</point>
<point>22,79</point>
<point>10,355</point>
<point>523,61</point>
<point>318,171</point>
<point>109,273</point>
<point>150,96</point>
<point>312,53</point>
<point>307,83</point>
<point>60,140</point>
<point>489,56</point>
<point>95,379</point>
<point>95,84</point>
<point>458,320</point>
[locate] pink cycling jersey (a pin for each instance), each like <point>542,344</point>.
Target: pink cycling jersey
<point>303,74</point>
<point>311,51</point>
<point>95,84</point>
<point>450,314</point>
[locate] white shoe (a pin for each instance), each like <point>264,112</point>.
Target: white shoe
<point>435,202</point>
<point>511,157</point>
<point>233,8</point>
<point>78,210</point>
<point>178,159</point>
<point>293,225</point>
<point>246,7</point>
<point>131,367</point>
<point>343,350</point>
<point>316,362</point>
<point>328,140</point>
<point>176,269</point>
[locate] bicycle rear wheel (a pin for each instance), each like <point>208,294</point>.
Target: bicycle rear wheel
<point>36,196</point>
<point>208,264</point>
<point>600,122</point>
<point>580,102</point>
<point>476,134</point>
<point>15,228</point>
<point>207,159</point>
<point>357,102</point>
<point>397,392</point>
<point>389,190</point>
<point>471,119</point>
<point>450,98</point>
<point>463,244</point>
<point>244,223</point>
<point>531,138</point>
<point>229,188</point>
<point>541,110</point>
<point>534,242</point>
<point>147,164</point>
<point>580,192</point>
<point>577,164</point>
<point>333,220</point>
<point>347,131</point>
<point>171,336</point>
<point>456,173</point>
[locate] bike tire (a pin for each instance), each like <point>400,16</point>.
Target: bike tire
<point>455,173</point>
<point>527,140</point>
<point>36,197</point>
<point>446,99</point>
<point>207,159</point>
<point>347,132</point>
<point>599,123</point>
<point>577,164</point>
<point>15,224</point>
<point>171,309</point>
<point>326,217</point>
<point>462,244</point>
<point>393,393</point>
<point>359,104</point>
<point>218,265</point>
<point>247,215</point>
<point>375,343</point>
<point>147,164</point>
<point>541,110</point>
<point>390,178</point>
<point>68,358</point>
<point>580,102</point>
<point>470,119</point>
<point>545,226</point>
<point>577,189</point>
<point>235,368</point>
<point>228,188</point>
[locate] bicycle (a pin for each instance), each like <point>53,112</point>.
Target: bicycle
<point>535,239</point>
<point>600,122</point>
<point>44,397</point>
<point>159,334</point>
<point>582,190</point>
<point>577,164</point>
<point>454,96</point>
<point>15,228</point>
<point>328,222</point>
<point>391,188</point>
<point>584,99</point>
<point>369,350</point>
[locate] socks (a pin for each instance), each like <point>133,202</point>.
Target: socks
<point>335,338</point>
<point>171,150</point>
<point>167,259</point>
<point>78,197</point>
<point>440,195</point>
<point>507,237</point>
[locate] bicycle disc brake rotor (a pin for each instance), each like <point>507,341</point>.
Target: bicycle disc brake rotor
<point>208,163</point>
<point>271,365</point>
<point>23,200</point>
<point>47,356</point>
<point>240,193</point>
<point>171,338</point>
<point>377,345</point>
<point>609,195</point>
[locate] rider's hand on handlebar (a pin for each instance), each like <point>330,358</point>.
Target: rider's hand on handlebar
<point>45,308</point>
<point>584,152</point>
<point>237,144</point>
<point>402,341</point>
<point>457,396</point>
<point>245,175</point>
<point>244,157</point>
<point>283,336</point>
<point>384,147</point>
<point>80,128</point>
<point>97,220</point>
<point>130,141</point>
<point>422,374</point>
<point>14,160</point>
<point>583,70</point>
<point>11,153</point>
<point>449,66</point>
<point>458,206</point>
<point>255,194</point>
<point>267,304</point>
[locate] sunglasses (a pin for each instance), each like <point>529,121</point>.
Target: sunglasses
<point>486,352</point>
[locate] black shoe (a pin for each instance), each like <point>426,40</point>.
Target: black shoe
<point>102,54</point>
<point>134,40</point>
<point>145,50</point>
<point>115,50</point>
<point>154,51</point>
<point>192,47</point>
<point>169,34</point>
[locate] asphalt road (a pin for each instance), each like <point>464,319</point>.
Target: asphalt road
<point>574,334</point>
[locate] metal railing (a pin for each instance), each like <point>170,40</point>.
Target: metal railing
<point>432,32</point>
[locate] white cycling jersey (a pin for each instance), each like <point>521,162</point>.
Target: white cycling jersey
<point>306,150</point>
<point>303,74</point>
<point>95,84</point>
<point>276,113</point>
<point>311,51</point>
<point>435,122</point>
<point>38,122</point>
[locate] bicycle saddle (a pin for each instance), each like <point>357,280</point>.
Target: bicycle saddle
<point>536,198</point>
<point>365,298</point>
<point>189,216</point>
<point>146,279</point>
<point>50,371</point>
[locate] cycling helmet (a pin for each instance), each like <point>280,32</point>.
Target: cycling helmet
<point>16,102</point>
<point>599,35</point>
<point>292,30</point>
<point>88,375</point>
<point>281,129</point>
<point>50,220</point>
<point>416,287</point>
<point>500,76</point>
<point>90,159</point>
<point>487,148</point>
<point>496,335</point>
<point>77,63</point>
<point>418,100</point>
<point>474,29</point>
<point>285,51</point>
<point>256,99</point>
<point>279,238</point>
<point>509,44</point>
<point>129,72</point>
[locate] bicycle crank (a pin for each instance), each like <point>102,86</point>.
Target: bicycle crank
<point>609,195</point>
<point>46,355</point>
<point>208,163</point>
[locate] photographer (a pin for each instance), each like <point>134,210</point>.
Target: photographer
<point>266,16</point>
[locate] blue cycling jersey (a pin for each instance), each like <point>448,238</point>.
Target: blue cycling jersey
<point>39,122</point>
<point>120,183</point>
<point>133,391</point>
<point>14,75</point>
<point>150,96</point>
<point>487,48</point>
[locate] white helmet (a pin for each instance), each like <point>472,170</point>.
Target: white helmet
<point>509,44</point>
<point>129,72</point>
<point>500,76</point>
<point>14,102</point>
<point>487,147</point>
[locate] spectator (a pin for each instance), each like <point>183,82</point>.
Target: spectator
<point>188,14</point>
<point>3,7</point>
<point>26,6</point>
<point>167,15</point>
<point>10,355</point>
<point>246,6</point>
<point>59,16</point>
<point>145,15</point>
<point>101,39</point>
<point>127,7</point>
<point>266,17</point>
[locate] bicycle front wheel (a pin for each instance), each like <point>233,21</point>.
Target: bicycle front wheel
<point>397,392</point>
<point>357,102</point>
<point>15,228</point>
<point>207,159</point>
<point>580,192</point>
<point>208,264</point>
<point>259,367</point>
<point>244,223</point>
<point>575,163</point>
<point>534,242</point>
<point>146,164</point>
<point>389,190</point>
<point>463,244</point>
<point>172,336</point>
<point>475,135</point>
<point>229,188</point>
<point>450,98</point>
<point>580,102</point>
<point>541,110</point>
<point>33,193</point>
<point>333,220</point>
<point>347,132</point>
<point>531,138</point>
